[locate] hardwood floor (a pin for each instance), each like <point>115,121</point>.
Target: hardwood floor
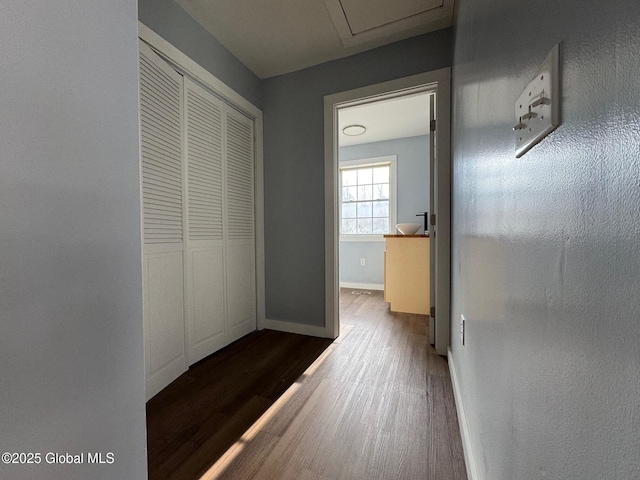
<point>376,403</point>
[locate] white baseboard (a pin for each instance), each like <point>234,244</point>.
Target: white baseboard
<point>362,286</point>
<point>469,459</point>
<point>298,328</point>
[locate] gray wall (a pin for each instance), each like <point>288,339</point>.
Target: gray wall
<point>413,197</point>
<point>546,255</point>
<point>294,165</point>
<point>71,346</point>
<point>175,25</point>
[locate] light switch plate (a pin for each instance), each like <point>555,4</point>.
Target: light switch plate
<point>538,108</point>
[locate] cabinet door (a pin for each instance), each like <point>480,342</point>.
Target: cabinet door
<point>162,210</point>
<point>240,221</point>
<point>407,275</point>
<point>205,278</point>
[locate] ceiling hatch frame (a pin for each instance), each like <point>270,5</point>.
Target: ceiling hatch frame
<point>431,19</point>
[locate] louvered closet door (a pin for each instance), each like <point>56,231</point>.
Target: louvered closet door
<point>240,221</point>
<point>161,97</point>
<point>205,278</point>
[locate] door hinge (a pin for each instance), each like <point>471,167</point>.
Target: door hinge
<point>433,219</point>
<point>432,312</point>
<point>432,125</point>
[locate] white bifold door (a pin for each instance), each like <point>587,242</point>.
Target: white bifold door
<point>199,226</point>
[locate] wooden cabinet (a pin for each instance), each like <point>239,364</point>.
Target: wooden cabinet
<point>406,273</point>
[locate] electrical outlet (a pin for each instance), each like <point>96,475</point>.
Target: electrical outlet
<point>362,262</point>
<point>462,325</point>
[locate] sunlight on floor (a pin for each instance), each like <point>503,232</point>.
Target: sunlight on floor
<point>230,455</point>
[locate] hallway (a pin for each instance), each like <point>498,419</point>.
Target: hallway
<point>376,404</point>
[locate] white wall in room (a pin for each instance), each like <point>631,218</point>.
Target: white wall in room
<point>71,349</point>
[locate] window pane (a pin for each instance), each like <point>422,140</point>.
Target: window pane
<point>349,226</point>
<point>365,200</point>
<point>364,226</point>
<point>380,225</point>
<point>381,209</point>
<point>365,209</point>
<point>365,176</point>
<point>381,192</point>
<point>381,174</point>
<point>349,194</point>
<point>349,177</point>
<point>364,192</point>
<point>348,210</point>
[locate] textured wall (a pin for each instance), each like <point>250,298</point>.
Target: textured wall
<point>413,197</point>
<point>175,25</point>
<point>546,250</point>
<point>71,351</point>
<point>294,165</point>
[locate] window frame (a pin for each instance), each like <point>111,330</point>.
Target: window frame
<point>392,161</point>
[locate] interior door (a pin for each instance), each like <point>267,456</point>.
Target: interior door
<point>432,209</point>
<point>240,221</point>
<point>205,251</point>
<point>161,110</point>
<point>198,202</point>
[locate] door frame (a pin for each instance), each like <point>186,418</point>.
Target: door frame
<point>438,81</point>
<point>230,96</point>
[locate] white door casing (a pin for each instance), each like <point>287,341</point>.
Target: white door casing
<point>231,98</point>
<point>432,209</point>
<point>201,174</point>
<point>438,82</point>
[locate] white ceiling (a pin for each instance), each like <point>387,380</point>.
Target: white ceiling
<point>274,37</point>
<point>386,119</point>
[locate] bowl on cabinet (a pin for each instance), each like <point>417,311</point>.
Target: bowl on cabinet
<point>408,228</point>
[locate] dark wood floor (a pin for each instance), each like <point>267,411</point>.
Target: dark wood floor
<point>375,404</point>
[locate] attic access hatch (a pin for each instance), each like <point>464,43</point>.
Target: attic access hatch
<point>360,21</point>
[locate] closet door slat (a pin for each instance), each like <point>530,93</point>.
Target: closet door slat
<point>239,177</point>
<point>204,165</point>
<point>161,133</point>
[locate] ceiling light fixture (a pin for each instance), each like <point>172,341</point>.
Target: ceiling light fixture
<point>354,130</point>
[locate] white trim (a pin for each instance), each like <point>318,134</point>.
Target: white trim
<point>364,238</point>
<point>469,458</point>
<point>230,96</point>
<point>368,161</point>
<point>363,286</point>
<point>167,50</point>
<point>442,207</point>
<point>297,328</point>
<point>331,233</point>
<point>437,81</point>
<point>259,200</point>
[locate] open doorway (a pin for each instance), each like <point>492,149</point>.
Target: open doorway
<point>383,177</point>
<point>435,87</point>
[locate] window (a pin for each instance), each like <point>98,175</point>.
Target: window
<point>367,198</point>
